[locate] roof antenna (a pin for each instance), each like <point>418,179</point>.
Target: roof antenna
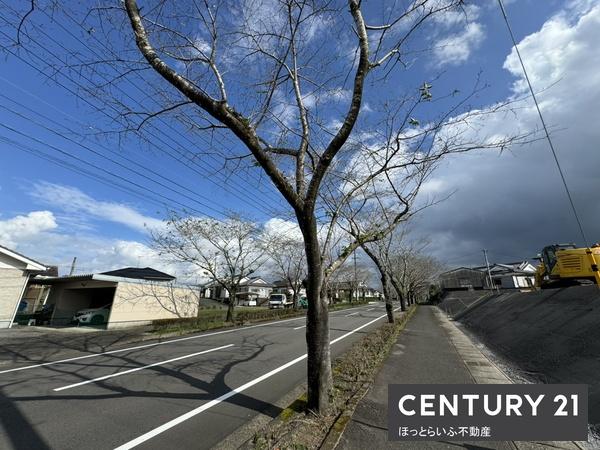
<point>72,271</point>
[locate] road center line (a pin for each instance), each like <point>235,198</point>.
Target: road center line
<point>297,328</point>
<point>136,369</point>
<point>194,412</point>
<point>353,314</point>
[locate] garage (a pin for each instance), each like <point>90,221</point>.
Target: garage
<point>120,298</point>
<point>86,295</point>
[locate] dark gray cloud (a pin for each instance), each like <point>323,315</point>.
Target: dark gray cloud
<point>514,203</point>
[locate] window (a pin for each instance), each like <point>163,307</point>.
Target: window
<point>464,282</point>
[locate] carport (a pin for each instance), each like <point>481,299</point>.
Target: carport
<point>134,296</point>
<point>71,294</point>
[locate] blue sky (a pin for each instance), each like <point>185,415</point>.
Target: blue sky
<point>52,213</point>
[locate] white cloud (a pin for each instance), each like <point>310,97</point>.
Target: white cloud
<point>327,96</point>
<point>457,16</point>
<point>39,236</point>
<point>24,227</point>
<point>456,48</point>
<point>81,206</point>
<point>286,228</point>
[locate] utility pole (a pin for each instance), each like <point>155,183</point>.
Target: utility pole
<point>487,264</point>
<point>355,278</point>
<point>72,271</point>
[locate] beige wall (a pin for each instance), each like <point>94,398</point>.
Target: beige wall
<point>139,304</point>
<point>12,282</point>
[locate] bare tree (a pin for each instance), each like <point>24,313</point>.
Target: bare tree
<point>226,252</point>
<point>289,259</point>
<point>296,162</point>
<point>413,271</point>
<point>253,73</point>
<point>354,276</point>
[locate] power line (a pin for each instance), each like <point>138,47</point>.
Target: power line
<point>101,155</point>
<point>560,171</point>
<point>103,180</point>
<point>74,168</point>
<point>116,56</point>
<point>137,185</point>
<point>193,161</point>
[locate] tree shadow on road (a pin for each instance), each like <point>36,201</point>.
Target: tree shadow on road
<point>208,385</point>
<point>19,431</point>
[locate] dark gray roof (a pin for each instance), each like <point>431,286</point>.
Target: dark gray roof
<point>139,273</point>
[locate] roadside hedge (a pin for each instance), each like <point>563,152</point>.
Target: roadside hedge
<point>215,318</point>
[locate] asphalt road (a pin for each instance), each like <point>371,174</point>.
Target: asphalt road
<point>189,392</point>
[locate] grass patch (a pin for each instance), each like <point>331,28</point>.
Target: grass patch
<point>295,428</point>
<point>213,318</point>
<point>297,406</point>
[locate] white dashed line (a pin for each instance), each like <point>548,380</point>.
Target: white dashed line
<point>194,412</point>
<point>125,372</point>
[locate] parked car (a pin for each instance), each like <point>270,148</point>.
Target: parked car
<point>41,317</point>
<point>280,301</point>
<point>92,316</point>
<point>303,303</point>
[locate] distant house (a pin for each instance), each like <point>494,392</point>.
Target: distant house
<point>464,278</point>
<point>343,291</point>
<point>253,291</point>
<point>284,287</point>
<point>15,271</point>
<point>516,275</point>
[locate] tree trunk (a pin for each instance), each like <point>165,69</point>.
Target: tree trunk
<point>317,322</point>
<point>399,293</point>
<point>389,307</point>
<point>232,295</point>
<point>295,297</point>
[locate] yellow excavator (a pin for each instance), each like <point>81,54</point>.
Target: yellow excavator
<point>567,265</point>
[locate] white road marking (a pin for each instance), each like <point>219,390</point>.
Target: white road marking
<point>194,412</point>
<point>353,314</point>
<point>136,369</point>
<point>370,309</point>
<point>297,328</point>
<point>112,352</point>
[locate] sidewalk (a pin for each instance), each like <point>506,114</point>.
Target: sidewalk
<point>431,349</point>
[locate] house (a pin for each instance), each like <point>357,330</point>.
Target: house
<point>285,287</point>
<point>36,294</point>
<point>464,278</point>
<point>133,296</point>
<point>342,291</point>
<point>515,275</point>
<point>15,271</point>
<point>252,291</point>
